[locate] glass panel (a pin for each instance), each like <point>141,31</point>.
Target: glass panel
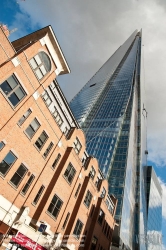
<point>6,87</point>
<point>51,206</point>
<point>43,70</point>
<point>54,200</point>
<point>55,212</point>
<point>20,93</point>
<point>12,82</point>
<point>1,145</point>
<point>37,58</point>
<point>14,99</point>
<point>46,60</point>
<point>35,125</point>
<point>43,137</point>
<point>39,74</point>
<point>21,170</point>
<point>15,179</point>
<point>30,132</point>
<point>59,203</point>
<point>10,159</point>
<point>3,168</point>
<point>33,63</point>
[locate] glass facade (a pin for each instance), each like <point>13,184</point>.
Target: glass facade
<point>110,110</point>
<point>154,210</point>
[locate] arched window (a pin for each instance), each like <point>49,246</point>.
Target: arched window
<point>40,64</point>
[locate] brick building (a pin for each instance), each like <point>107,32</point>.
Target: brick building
<point>52,192</point>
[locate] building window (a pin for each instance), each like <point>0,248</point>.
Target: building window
<point>28,184</point>
<point>55,206</point>
<point>6,163</point>
<point>77,146</point>
<point>40,64</point>
<point>78,189</point>
<point>48,149</point>
<point>2,145</point>
<point>94,243</point>
<point>56,161</point>
<point>13,90</point>
<point>19,175</point>
<point>97,183</point>
<point>101,216</point>
<point>103,193</point>
<point>32,128</point>
<point>24,117</point>
<point>57,117</point>
<point>78,229</point>
<point>88,199</point>
<point>41,140</point>
<point>66,131</point>
<point>66,220</point>
<point>39,194</point>
<point>70,173</point>
<point>47,99</point>
<point>92,173</point>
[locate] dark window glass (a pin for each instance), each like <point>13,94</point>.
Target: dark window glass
<point>6,164</point>
<point>70,173</point>
<point>1,145</point>
<point>101,216</point>
<point>103,193</point>
<point>13,90</point>
<point>66,220</point>
<point>28,184</point>
<point>56,160</point>
<point>78,229</point>
<point>32,128</point>
<point>19,175</point>
<point>94,243</point>
<point>41,140</point>
<point>55,206</point>
<point>24,117</point>
<point>88,199</point>
<point>39,194</point>
<point>48,150</point>
<point>78,189</point>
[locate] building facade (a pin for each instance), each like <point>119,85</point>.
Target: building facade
<point>110,109</point>
<point>53,194</point>
<point>154,210</point>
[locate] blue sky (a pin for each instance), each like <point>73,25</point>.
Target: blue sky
<point>88,33</point>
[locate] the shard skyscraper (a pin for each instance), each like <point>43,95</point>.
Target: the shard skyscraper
<point>111,110</point>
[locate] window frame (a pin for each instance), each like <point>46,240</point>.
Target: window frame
<point>68,174</point>
<point>31,127</point>
<point>92,173</point>
<point>3,145</point>
<point>40,65</point>
<point>38,195</point>
<point>54,206</point>
<point>56,161</point>
<point>48,149</point>
<point>10,166</point>
<point>13,91</point>
<point>77,145</point>
<point>40,142</point>
<point>19,123</point>
<point>18,175</point>
<point>88,199</point>
<point>28,184</point>
<point>76,228</point>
